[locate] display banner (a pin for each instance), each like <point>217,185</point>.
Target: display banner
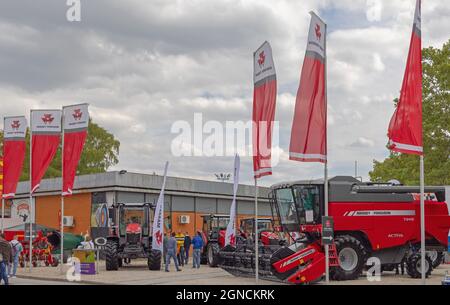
<point>75,125</point>
<point>14,147</point>
<point>46,136</point>
<point>264,101</point>
<point>230,234</point>
<point>309,127</point>
<point>405,127</point>
<point>158,220</point>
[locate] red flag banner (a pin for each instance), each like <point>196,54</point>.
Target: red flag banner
<point>264,100</point>
<point>76,121</point>
<point>309,127</point>
<point>1,177</point>
<point>46,135</point>
<point>15,130</point>
<point>405,127</point>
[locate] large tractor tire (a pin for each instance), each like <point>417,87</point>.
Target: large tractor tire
<point>414,268</point>
<point>213,254</point>
<point>352,258</point>
<point>437,257</point>
<point>154,260</point>
<point>111,256</point>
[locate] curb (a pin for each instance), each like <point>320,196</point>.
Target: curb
<point>52,279</point>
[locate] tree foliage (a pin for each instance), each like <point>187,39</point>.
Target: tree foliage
<point>436,128</point>
<point>100,152</point>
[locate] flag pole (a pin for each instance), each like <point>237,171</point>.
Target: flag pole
<point>3,211</point>
<point>422,220</point>
<point>256,233</point>
<point>30,252</point>
<point>325,192</point>
<point>62,195</point>
<point>325,188</point>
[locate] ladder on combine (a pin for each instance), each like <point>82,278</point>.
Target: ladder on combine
<point>333,257</point>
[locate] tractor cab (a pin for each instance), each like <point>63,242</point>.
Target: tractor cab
<point>298,204</point>
<point>266,231</point>
<point>134,222</point>
<point>214,227</point>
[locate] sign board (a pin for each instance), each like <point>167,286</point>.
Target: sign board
<point>327,230</point>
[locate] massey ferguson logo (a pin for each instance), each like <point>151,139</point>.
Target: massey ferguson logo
<point>47,118</point>
<point>158,237</point>
<point>77,114</point>
<point>15,125</point>
<point>318,33</point>
<point>261,59</point>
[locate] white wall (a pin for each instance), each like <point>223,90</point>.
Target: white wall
<point>19,208</point>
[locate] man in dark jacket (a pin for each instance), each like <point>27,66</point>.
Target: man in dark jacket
<point>187,246</point>
<point>5,258</point>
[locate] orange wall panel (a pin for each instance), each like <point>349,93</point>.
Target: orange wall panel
<point>78,206</point>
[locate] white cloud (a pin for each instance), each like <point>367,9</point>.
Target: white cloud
<point>144,64</point>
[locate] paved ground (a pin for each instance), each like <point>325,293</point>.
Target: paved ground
<point>28,281</point>
<point>389,278</point>
<point>137,273</point>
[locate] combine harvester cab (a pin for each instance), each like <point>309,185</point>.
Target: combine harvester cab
<point>370,220</point>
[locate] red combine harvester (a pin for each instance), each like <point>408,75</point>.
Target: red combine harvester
<point>370,220</point>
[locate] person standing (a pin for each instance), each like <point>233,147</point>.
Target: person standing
<point>172,252</point>
<point>180,247</point>
<point>165,241</point>
<point>187,246</point>
<point>16,248</point>
<point>5,258</point>
<point>197,245</point>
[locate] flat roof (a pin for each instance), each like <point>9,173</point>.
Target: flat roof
<point>142,183</point>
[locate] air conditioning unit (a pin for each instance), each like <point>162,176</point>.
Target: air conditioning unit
<point>68,221</point>
<point>185,219</point>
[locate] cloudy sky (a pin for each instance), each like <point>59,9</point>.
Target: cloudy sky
<point>144,64</point>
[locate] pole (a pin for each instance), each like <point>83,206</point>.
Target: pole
<point>62,196</point>
<point>62,234</point>
<point>256,233</point>
<point>325,192</point>
<point>30,252</point>
<point>422,220</point>
<point>325,180</point>
<point>3,213</point>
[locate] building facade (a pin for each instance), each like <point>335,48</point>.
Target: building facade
<point>186,200</point>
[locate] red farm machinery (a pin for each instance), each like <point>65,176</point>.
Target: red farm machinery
<point>130,236</point>
<point>370,220</point>
<point>214,228</point>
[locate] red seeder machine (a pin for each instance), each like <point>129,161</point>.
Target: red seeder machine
<point>42,249</point>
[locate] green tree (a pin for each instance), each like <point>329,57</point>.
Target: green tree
<point>436,127</point>
<point>100,152</point>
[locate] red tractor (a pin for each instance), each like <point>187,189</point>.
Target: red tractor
<point>214,229</point>
<point>130,236</point>
<point>370,220</point>
<point>266,231</point>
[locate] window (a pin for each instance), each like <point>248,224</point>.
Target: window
<point>286,205</point>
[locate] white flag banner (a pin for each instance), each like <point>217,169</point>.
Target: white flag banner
<point>46,121</point>
<point>158,220</point>
<point>15,128</point>
<point>230,235</point>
